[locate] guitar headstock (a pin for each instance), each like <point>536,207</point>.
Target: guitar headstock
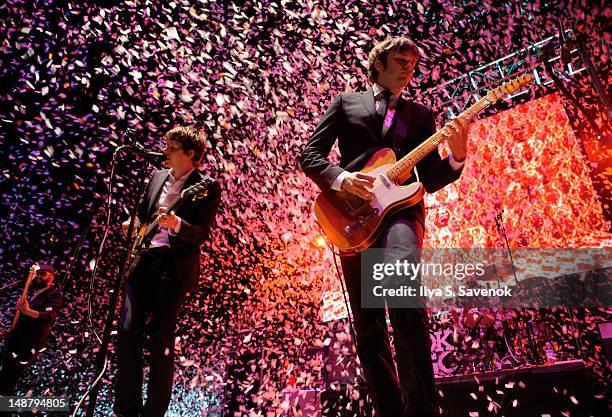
<point>196,191</point>
<point>33,270</point>
<point>509,87</point>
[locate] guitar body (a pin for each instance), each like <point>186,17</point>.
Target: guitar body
<point>353,224</point>
<point>135,251</point>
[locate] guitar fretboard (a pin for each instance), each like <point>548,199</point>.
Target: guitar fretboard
<point>402,169</point>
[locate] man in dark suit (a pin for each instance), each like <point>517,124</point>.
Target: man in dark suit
<point>363,123</point>
<point>30,333</point>
<point>168,269</point>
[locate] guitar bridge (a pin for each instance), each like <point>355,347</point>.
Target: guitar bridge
<point>350,229</point>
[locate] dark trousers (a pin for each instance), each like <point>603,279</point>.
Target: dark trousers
<point>152,291</point>
<point>409,390</point>
<point>13,369</point>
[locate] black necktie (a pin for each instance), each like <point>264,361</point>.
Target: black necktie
<point>381,111</point>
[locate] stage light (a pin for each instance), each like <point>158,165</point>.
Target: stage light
<point>319,241</point>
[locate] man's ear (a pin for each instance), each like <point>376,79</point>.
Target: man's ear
<point>190,154</point>
<point>379,65</point>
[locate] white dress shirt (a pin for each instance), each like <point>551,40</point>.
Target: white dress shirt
<point>171,189</point>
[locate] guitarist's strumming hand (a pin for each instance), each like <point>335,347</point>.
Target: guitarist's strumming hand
<point>358,184</point>
<point>456,133</point>
<point>169,220</point>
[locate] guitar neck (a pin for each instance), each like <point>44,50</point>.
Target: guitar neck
<point>29,280</point>
<point>23,294</point>
<point>26,289</point>
<point>402,169</point>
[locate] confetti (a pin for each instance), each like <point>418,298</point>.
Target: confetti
<point>257,79</point>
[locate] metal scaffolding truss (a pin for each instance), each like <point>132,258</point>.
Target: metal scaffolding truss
<point>459,93</point>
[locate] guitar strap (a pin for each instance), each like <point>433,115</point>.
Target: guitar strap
<point>206,182</point>
<point>358,163</point>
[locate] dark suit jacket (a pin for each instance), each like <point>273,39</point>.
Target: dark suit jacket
<point>32,333</point>
<point>197,218</point>
<point>351,120</point>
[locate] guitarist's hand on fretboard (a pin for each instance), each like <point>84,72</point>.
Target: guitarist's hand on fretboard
<point>24,308</point>
<point>456,133</point>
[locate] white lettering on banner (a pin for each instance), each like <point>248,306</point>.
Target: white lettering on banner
<point>440,341</point>
<point>440,350</point>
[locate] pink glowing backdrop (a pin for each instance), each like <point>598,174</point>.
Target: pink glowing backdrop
<point>527,162</point>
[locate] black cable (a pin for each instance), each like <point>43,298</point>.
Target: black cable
<point>346,302</point>
<point>102,243</point>
<point>344,291</point>
<point>93,277</point>
<point>102,362</point>
<point>559,85</point>
<point>76,251</point>
<point>102,358</point>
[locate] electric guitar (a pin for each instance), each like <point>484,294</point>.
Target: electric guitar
<point>351,223</point>
<point>148,231</point>
<point>33,270</point>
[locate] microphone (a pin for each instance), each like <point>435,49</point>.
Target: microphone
<point>136,148</point>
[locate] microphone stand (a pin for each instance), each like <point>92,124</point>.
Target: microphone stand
<point>73,258</point>
<point>499,222</point>
<point>103,353</point>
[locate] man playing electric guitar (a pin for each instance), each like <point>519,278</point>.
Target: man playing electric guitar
<point>34,319</point>
<point>364,123</point>
<point>166,270</point>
